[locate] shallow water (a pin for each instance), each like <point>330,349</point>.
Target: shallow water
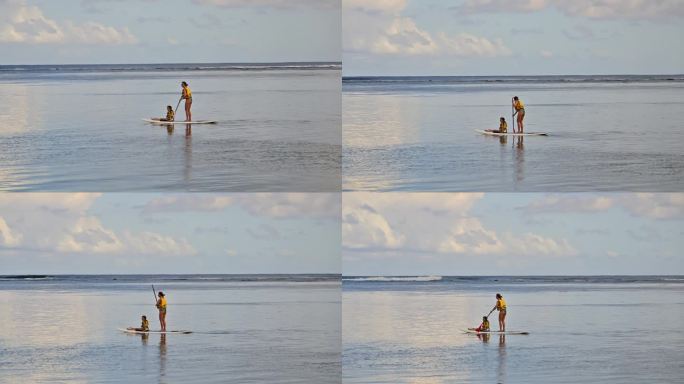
<point>285,331</point>
<point>606,134</point>
<point>81,129</point>
<point>580,332</point>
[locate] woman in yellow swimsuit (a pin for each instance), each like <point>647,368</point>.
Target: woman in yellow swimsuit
<point>520,111</point>
<point>501,307</point>
<point>187,95</point>
<point>161,306</point>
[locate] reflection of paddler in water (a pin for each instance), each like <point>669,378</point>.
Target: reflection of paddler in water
<point>520,111</point>
<point>162,355</point>
<point>161,306</point>
<point>186,95</point>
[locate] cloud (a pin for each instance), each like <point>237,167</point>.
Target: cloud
<point>365,228</point>
<point>7,236</point>
<point>277,4</point>
<point>546,54</point>
<point>292,205</point>
<point>570,204</point>
<point>380,28</point>
<point>592,9</point>
<point>433,223</point>
<point>647,205</point>
<point>654,205</point>
<point>273,205</point>
<point>21,23</point>
<point>60,223</point>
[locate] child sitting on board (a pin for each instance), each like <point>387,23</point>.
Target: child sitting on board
<point>144,326</point>
<point>484,327</point>
<point>503,127</point>
<point>170,115</point>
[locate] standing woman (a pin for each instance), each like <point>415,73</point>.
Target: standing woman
<point>161,305</point>
<point>501,307</point>
<point>187,95</point>
<point>519,110</point>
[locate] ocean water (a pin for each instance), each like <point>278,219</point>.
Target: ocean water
<point>248,329</point>
<point>79,128</point>
<point>582,330</point>
<point>607,133</point>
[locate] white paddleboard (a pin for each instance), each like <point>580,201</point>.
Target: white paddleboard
<point>511,133</point>
<point>153,121</point>
<point>495,332</point>
<point>148,332</point>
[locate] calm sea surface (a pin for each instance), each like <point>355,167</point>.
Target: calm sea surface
<point>609,133</point>
<point>79,128</point>
<point>248,329</point>
<point>582,330</point>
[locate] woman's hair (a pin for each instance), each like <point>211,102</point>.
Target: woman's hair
<point>184,83</point>
<point>498,295</point>
<point>161,294</point>
<point>515,97</point>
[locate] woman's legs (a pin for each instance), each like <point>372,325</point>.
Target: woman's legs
<point>521,116</point>
<point>502,321</point>
<point>162,320</point>
<point>188,113</point>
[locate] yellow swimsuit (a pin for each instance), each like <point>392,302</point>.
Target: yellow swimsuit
<point>503,127</point>
<point>501,304</point>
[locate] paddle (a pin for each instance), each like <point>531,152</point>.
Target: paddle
<point>174,111</point>
<point>512,117</point>
<point>155,295</point>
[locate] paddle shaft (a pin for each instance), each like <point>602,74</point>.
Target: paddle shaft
<point>177,105</point>
<point>155,295</point>
<point>512,116</point>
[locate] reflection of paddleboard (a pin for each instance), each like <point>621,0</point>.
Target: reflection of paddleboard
<point>153,121</point>
<point>511,133</point>
<point>148,332</point>
<point>473,331</point>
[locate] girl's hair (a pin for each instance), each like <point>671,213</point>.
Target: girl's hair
<point>144,317</point>
<point>184,83</point>
<point>502,118</point>
<point>170,107</point>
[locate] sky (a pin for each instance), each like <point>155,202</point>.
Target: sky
<point>410,234</point>
<point>121,233</point>
<point>168,31</point>
<point>520,37</point>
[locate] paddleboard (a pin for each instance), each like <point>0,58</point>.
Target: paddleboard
<point>496,332</point>
<point>148,332</point>
<point>153,121</point>
<point>511,133</point>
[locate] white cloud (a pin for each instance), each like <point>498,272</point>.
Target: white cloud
<point>648,205</point>
<point>433,223</point>
<point>655,205</point>
<point>380,28</point>
<point>57,223</point>
<point>274,205</point>
<point>279,4</point>
<point>364,228</point>
<point>570,204</point>
<point>292,205</point>
<point>593,9</point>
<point>7,236</point>
<point>22,23</point>
<point>188,202</point>
<point>546,54</point>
